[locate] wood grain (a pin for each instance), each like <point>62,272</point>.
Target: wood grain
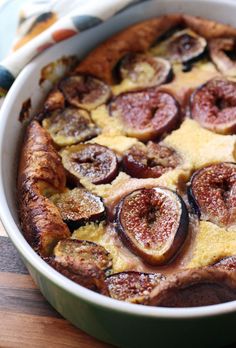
<point>29,331</point>
<point>26,318</point>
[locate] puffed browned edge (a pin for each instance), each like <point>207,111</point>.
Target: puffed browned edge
<point>139,37</point>
<point>40,168</point>
<point>40,163</point>
<point>187,279</point>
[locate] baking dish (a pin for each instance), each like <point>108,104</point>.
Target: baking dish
<point>123,324</point>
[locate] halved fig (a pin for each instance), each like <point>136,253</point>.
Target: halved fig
<point>183,46</point>
<point>153,223</point>
<point>55,100</point>
<point>132,286</point>
<point>150,161</point>
<point>84,262</point>
<point>194,288</point>
<point>70,126</point>
<point>84,91</point>
<point>145,71</point>
<point>227,263</point>
<point>222,52</point>
<point>78,206</point>
<point>213,105</point>
<point>146,114</point>
<point>212,193</point>
<point>95,162</point>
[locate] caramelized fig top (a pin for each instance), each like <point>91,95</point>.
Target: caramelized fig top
<point>133,287</point>
<point>150,161</point>
<point>220,51</point>
<point>147,114</point>
<point>95,162</point>
<point>212,193</point>
<point>85,91</point>
<point>213,105</point>
<point>153,223</point>
<point>181,47</point>
<point>144,70</point>
<point>70,126</point>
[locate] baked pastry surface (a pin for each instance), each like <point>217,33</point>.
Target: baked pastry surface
<point>127,175</point>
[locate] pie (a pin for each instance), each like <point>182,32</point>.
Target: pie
<point>127,174</point>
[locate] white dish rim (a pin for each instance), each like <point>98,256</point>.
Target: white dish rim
<point>61,281</point>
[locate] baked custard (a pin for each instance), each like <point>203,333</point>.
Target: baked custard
<point>127,174</point>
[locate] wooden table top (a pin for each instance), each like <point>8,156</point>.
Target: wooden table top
<point>26,318</point>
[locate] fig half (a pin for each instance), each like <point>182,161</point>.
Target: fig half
<point>212,193</point>
<point>213,105</point>
<point>84,91</point>
<point>145,71</point>
<point>153,223</point>
<point>132,286</point>
<point>146,114</point>
<point>95,162</point>
<point>150,161</point>
<point>86,263</point>
<point>220,51</point>
<point>70,126</point>
<point>227,263</point>
<point>78,206</point>
<point>183,46</point>
<point>194,288</point>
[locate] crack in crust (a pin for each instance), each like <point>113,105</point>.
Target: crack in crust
<point>40,171</point>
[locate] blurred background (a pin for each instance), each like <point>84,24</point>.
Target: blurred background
<point>9,18</point>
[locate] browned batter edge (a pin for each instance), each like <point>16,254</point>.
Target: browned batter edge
<point>40,165</point>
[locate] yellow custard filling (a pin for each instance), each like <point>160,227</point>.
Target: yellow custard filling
<point>199,146</point>
<point>212,244</point>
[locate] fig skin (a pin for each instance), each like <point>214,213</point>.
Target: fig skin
<point>132,286</point>
<point>84,91</point>
<point>70,126</point>
<point>211,193</point>
<point>145,71</point>
<point>95,162</point>
<point>78,206</point>
<point>227,263</point>
<point>150,161</point>
<point>146,114</point>
<point>213,105</point>
<point>182,47</point>
<point>140,226</point>
<point>195,287</point>
<point>218,48</point>
<point>83,262</point>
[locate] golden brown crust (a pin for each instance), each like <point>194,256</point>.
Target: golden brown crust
<point>195,287</point>
<point>40,169</point>
<point>208,29</point>
<point>84,262</point>
<point>138,38</point>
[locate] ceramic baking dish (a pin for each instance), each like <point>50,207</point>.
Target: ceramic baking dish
<point>119,323</point>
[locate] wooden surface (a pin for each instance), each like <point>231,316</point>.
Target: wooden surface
<point>26,319</point>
